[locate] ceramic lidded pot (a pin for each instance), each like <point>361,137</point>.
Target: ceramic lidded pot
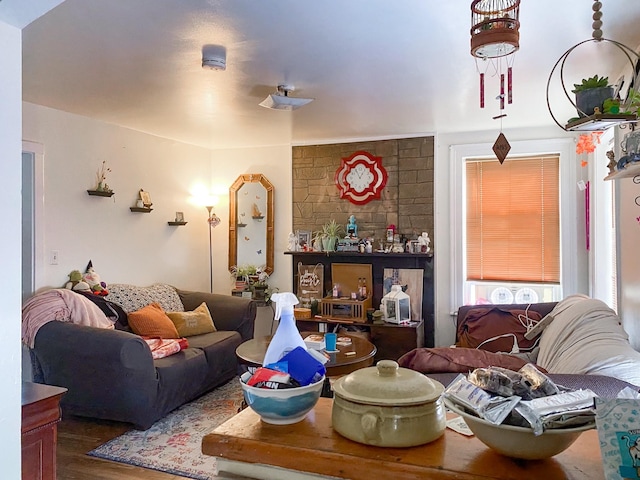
<point>388,406</point>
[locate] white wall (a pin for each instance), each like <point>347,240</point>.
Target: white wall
<point>139,248</point>
<point>629,257</point>
<point>10,242</point>
<point>124,247</point>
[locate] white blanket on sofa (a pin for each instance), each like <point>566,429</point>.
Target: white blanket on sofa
<point>586,337</point>
<point>62,305</point>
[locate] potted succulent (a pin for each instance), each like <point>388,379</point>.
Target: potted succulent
<point>331,231</point>
<point>591,94</point>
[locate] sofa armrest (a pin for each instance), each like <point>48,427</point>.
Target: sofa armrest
<point>102,369</point>
<point>228,312</point>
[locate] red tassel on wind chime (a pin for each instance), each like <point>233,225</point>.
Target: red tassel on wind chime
<point>501,96</point>
<point>495,36</point>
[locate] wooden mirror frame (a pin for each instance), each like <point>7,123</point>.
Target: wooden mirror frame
<point>233,218</point>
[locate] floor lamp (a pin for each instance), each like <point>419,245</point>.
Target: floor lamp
<point>214,221</point>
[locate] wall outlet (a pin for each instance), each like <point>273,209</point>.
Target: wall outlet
<point>53,258</point>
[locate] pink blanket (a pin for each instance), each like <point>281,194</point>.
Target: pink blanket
<point>62,305</point>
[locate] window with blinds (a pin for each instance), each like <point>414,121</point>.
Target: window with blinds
<point>513,219</point>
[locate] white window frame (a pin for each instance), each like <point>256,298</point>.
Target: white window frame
<point>459,154</point>
<point>601,254</point>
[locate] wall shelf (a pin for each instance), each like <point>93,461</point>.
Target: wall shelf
<point>100,193</point>
<point>242,225</point>
<point>176,224</point>
<point>140,210</point>
<point>631,170</point>
<point>599,121</point>
<point>257,217</point>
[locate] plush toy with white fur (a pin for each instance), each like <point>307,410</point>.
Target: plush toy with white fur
<point>92,279</point>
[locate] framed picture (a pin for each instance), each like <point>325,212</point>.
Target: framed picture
<point>179,216</point>
<point>304,239</point>
<point>146,198</point>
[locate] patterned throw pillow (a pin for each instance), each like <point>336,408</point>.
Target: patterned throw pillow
<point>197,322</point>
<point>132,297</point>
<point>151,321</point>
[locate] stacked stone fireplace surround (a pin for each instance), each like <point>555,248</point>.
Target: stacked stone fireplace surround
<point>406,201</point>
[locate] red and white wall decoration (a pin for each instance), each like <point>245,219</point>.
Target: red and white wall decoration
<point>361,177</point>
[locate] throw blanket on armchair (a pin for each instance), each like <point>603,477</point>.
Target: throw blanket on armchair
<point>586,337</point>
<point>62,305</point>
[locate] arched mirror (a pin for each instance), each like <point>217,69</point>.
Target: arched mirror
<point>251,222</point>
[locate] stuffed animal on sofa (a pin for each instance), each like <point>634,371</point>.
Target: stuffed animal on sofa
<point>92,279</point>
<point>76,282</point>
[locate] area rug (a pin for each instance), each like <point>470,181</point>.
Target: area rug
<point>173,444</point>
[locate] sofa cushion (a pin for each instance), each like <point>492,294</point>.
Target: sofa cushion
<point>195,322</point>
<point>219,349</point>
<point>152,321</point>
<point>495,328</point>
<point>132,297</point>
<point>457,360</point>
<point>586,337</point>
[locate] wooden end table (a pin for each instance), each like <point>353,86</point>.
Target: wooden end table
<point>40,417</point>
<point>313,449</point>
<point>359,354</point>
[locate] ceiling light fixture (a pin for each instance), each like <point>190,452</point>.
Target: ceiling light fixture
<point>282,101</point>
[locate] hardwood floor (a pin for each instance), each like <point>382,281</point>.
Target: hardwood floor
<point>77,436</point>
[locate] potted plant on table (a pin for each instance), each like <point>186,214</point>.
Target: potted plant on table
<point>243,275</point>
<point>331,231</point>
<point>592,93</point>
<point>260,285</point>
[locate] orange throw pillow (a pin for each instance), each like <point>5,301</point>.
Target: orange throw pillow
<point>151,321</point>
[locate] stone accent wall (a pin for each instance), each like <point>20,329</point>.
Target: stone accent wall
<point>406,201</point>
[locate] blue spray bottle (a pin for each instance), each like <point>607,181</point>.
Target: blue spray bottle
<point>287,336</point>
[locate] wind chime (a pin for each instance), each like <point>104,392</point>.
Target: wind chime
<point>495,37</point>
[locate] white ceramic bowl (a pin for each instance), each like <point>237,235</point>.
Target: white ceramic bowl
<point>520,442</point>
<point>281,407</point>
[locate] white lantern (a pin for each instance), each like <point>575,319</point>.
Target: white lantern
<point>396,306</point>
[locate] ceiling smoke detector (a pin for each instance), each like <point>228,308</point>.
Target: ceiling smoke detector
<point>282,101</point>
<point>214,57</point>
<point>214,63</point>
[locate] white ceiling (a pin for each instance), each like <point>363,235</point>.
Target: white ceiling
<point>375,67</point>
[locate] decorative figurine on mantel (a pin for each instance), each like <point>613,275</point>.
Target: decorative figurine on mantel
<point>424,241</point>
<point>352,228</point>
<point>612,161</point>
<point>292,242</point>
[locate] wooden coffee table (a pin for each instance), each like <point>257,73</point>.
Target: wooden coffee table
<point>246,445</point>
<point>351,357</point>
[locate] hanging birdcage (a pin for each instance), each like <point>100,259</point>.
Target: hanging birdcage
<point>495,27</point>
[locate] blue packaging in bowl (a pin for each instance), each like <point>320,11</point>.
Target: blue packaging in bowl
<point>302,366</point>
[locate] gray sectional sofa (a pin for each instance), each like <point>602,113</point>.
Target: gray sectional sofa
<point>110,374</point>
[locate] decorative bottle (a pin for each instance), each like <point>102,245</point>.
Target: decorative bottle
<point>287,336</point>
